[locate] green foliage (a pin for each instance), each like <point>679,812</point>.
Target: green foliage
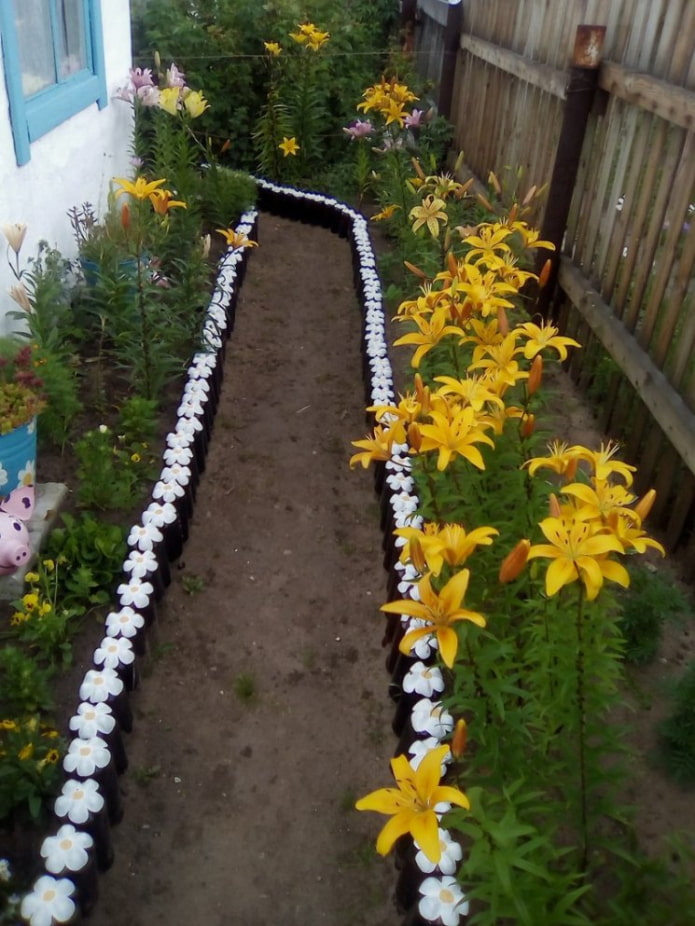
<point>30,772</point>
<point>226,194</point>
<point>90,553</point>
<point>677,731</point>
<point>24,684</point>
<point>650,601</point>
<point>110,469</point>
<point>51,327</point>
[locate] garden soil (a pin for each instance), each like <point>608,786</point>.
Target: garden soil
<point>262,711</point>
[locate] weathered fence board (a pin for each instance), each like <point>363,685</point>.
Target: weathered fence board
<point>626,273</point>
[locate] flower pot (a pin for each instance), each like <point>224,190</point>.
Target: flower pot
<point>18,457</point>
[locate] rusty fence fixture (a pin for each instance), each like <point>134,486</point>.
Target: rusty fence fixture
<point>579,100</point>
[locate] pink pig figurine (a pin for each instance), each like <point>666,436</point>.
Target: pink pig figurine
<point>15,546</point>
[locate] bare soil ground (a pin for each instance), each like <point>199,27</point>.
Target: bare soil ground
<point>262,711</point>
<point>265,713</point>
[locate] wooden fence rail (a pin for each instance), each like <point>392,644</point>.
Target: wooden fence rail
<point>625,284</point>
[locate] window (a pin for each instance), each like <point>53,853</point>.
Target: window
<point>54,64</point>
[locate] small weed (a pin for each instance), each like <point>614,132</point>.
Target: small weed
<point>309,659</point>
<point>192,583</point>
<point>244,687</point>
<point>347,800</point>
<point>144,774</point>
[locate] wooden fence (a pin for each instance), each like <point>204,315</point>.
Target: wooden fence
<point>625,284</point>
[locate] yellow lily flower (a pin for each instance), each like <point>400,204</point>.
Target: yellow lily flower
<point>374,447</point>
<point>139,189</point>
<point>289,146</point>
<point>439,611</point>
<point>273,48</point>
<point>449,544</point>
<point>603,464</point>
<point>490,239</point>
<point>561,459</point>
<point>195,103</point>
<point>236,239</point>
<point>430,213</point>
<point>500,360</point>
<point>540,337</point>
<point>578,550</point>
<point>455,434</point>
<point>432,330</point>
<point>631,535</point>
<point>385,213</point>
<point>411,804</point>
<point>600,502</point>
<point>170,99</point>
<point>474,390</point>
<point>162,201</point>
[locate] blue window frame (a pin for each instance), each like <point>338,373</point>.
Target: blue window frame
<point>53,57</point>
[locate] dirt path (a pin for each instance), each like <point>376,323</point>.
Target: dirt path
<point>263,711</point>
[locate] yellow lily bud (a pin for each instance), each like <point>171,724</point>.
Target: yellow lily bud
<point>417,557</point>
<point>535,375</point>
<point>514,562</point>
<point>494,183</point>
<point>528,425</point>
<point>125,216</point>
<point>414,436</point>
<point>459,739</point>
<point>554,506</point>
<point>571,470</point>
<point>415,270</point>
<point>502,321</point>
<point>644,505</point>
<point>545,273</point>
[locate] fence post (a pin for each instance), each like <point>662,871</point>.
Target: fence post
<point>581,89</point>
<point>452,37</point>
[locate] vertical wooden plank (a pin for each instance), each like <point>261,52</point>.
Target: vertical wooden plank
<point>679,188</point>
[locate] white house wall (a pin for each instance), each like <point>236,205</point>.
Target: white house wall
<point>72,164</point>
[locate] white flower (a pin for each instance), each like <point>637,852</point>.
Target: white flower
<point>50,901</point>
<point>179,439</point>
<point>92,719</point>
<point>159,514</point>
<point>442,899</point>
<point>181,455</point>
<point>135,593</point>
<point>167,491</point>
<point>68,849</point>
<point>141,562</point>
<point>100,685</point>
<point>144,536</point>
<point>176,473</point>
<point>114,651</point>
<point>27,474</point>
<point>78,799</point>
<point>15,233</point>
<point>125,622</point>
<point>423,680</point>
<point>3,475</point>
<point>84,757</point>
<point>452,853</point>
<point>431,717</point>
<point>5,871</point>
<point>188,426</point>
<point>190,407</point>
<point>418,749</point>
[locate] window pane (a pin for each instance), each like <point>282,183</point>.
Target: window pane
<point>33,21</point>
<point>71,44</point>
